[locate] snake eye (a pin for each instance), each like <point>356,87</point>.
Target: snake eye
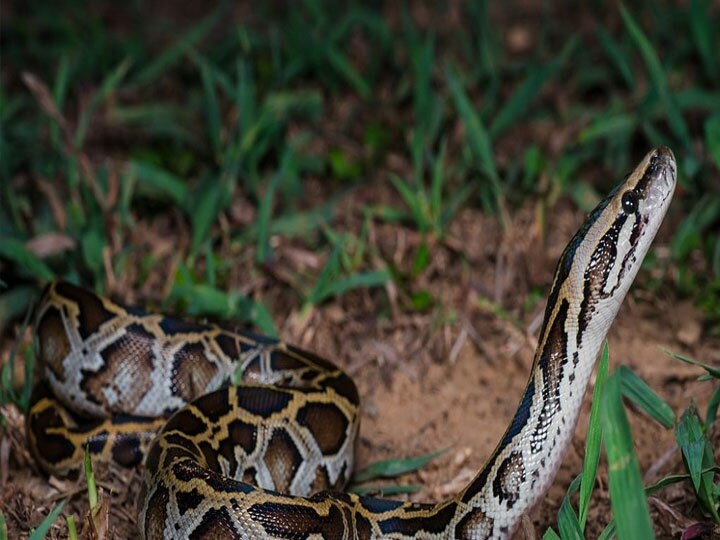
<point>630,202</point>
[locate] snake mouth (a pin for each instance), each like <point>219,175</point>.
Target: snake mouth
<point>657,184</point>
<point>667,167</point>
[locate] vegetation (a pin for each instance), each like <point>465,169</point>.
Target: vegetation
<point>138,153</point>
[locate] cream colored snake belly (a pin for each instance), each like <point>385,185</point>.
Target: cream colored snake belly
<point>226,460</point>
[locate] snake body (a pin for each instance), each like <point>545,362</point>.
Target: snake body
<point>241,461</point>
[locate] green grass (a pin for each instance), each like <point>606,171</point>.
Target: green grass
<point>609,424</point>
<point>108,124</point>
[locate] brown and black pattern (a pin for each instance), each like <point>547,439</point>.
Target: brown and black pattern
<point>213,470</point>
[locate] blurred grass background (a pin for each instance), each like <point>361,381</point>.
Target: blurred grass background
<point>112,112</point>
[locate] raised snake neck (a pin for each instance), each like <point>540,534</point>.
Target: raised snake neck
<point>290,427</point>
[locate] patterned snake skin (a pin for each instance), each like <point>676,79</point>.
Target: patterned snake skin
<point>237,431</point>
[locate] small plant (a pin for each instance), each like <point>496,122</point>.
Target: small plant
<point>628,497</point>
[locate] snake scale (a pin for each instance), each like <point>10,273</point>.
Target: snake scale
<point>266,458</point>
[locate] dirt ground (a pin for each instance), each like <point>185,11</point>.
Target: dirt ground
<point>450,377</point>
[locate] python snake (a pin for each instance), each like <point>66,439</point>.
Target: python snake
<point>242,460</point>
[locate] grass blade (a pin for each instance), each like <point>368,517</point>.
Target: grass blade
<point>376,278</point>
<point>44,527</point>
<point>109,85</point>
<point>202,299</point>
<point>550,534</point>
<point>478,139</point>
<point>702,33</point>
<point>712,409</point>
<point>712,138</point>
<point>608,127</point>
<point>638,391</point>
<point>477,136</point>
<point>627,495</point>
<point>608,532</point>
<point>617,56</point>
<point>206,211</point>
<point>657,76</point>
<point>153,179</point>
<point>265,208</point>
<point>516,106</point>
<point>713,371</point>
<point>593,441</point>
<point>211,105</point>
<point>698,455</point>
<point>390,468</point>
<point>568,523</point>
<point>27,261</point>
<point>173,54</point>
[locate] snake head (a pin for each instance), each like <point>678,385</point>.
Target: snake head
<point>601,261</point>
<point>625,224</point>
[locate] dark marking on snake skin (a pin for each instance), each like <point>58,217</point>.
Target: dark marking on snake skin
<point>97,443</point>
<point>156,514</point>
<point>240,435</point>
<point>185,420</point>
<point>551,361</point>
<point>509,479</point>
<point>216,523</point>
<point>280,360</point>
<point>124,419</point>
<point>282,459</point>
<point>127,450</point>
<point>519,420</point>
<point>53,448</point>
<point>437,523</point>
<point>177,438</point>
<point>344,386</point>
<point>93,313</point>
<point>292,522</point>
<point>228,345</point>
<point>321,480</point>
<point>253,370</point>
<point>319,361</point>
<point>659,162</point>
<point>215,405</point>
<point>192,371</point>
<point>175,453</point>
<point>129,357</point>
<point>379,506</point>
<point>262,401</point>
<point>363,527</point>
<point>475,524</point>
<point>172,326</point>
<point>187,500</point>
<point>243,435</point>
<point>249,476</point>
<point>327,424</point>
<point>602,260</point>
<point>187,470</point>
<point>332,496</point>
<point>54,345</point>
<point>256,339</point>
<point>521,415</point>
<point>479,481</point>
<point>135,311</point>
